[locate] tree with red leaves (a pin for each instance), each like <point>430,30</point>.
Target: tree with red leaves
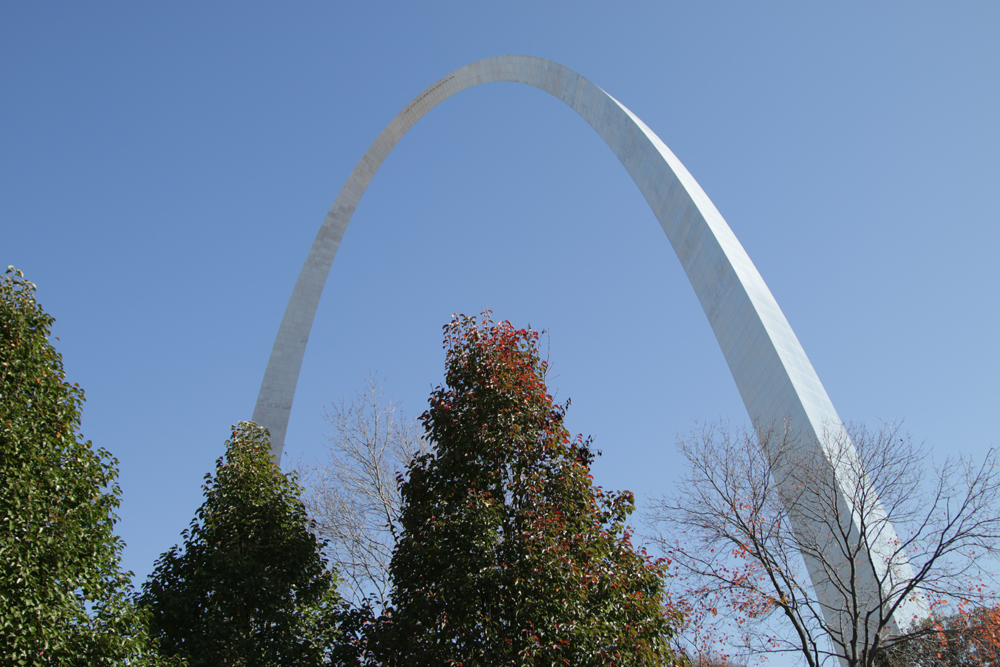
<point>967,638</point>
<point>739,568</point>
<point>509,555</point>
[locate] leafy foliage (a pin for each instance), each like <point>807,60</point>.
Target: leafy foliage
<point>508,553</point>
<point>967,638</point>
<point>63,598</point>
<point>250,586</point>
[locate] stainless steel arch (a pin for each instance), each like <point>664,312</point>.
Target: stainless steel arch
<point>773,374</point>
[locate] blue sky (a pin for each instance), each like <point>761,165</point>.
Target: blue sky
<point>164,168</point>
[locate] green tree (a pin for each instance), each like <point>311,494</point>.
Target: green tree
<point>250,586</point>
<point>509,555</point>
<point>63,597</point>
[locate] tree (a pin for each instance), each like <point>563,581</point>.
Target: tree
<point>508,553</point>
<point>712,661</point>
<point>741,575</point>
<point>250,586</point>
<point>968,638</point>
<point>353,496</point>
<point>63,598</point>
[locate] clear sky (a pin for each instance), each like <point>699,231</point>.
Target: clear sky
<point>164,168</point>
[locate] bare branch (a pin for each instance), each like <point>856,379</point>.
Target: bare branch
<point>741,571</point>
<point>353,495</point>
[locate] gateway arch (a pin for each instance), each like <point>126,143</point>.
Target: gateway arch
<point>775,378</point>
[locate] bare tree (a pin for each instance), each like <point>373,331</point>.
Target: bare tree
<point>712,661</point>
<point>741,574</point>
<point>353,495</point>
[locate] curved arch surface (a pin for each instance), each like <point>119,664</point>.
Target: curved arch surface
<point>772,372</point>
<point>774,376</point>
